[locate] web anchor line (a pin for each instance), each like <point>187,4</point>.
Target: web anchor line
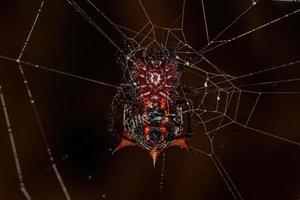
<point>34,108</point>
<point>245,125</point>
<point>205,21</point>
<point>86,17</point>
<point>58,72</point>
<point>14,148</point>
<point>214,40</point>
<point>227,179</point>
<point>251,31</point>
<point>162,175</point>
<point>277,67</point>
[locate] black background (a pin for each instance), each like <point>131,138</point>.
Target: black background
<point>75,112</point>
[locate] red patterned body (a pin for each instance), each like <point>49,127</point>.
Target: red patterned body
<point>155,81</point>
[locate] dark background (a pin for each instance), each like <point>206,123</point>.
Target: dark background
<point>75,112</point>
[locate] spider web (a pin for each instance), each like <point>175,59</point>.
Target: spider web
<point>224,103</point>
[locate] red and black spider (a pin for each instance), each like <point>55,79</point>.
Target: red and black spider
<point>156,111</point>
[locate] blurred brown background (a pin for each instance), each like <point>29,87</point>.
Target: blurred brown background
<point>75,112</point>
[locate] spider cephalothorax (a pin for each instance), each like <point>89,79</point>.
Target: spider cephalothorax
<point>156,115</point>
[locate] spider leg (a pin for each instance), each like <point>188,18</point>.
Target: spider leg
<point>116,101</point>
<point>188,105</point>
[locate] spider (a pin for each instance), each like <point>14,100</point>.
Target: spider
<point>156,111</point>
